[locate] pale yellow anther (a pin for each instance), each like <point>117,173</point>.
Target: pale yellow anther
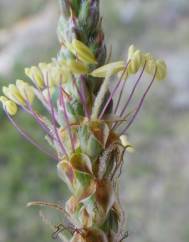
<point>136,58</point>
<point>148,56</point>
<point>112,68</point>
<point>35,75</point>
<point>25,90</point>
<point>65,74</point>
<point>3,99</point>
<point>13,93</point>
<point>11,107</point>
<point>83,52</point>
<point>133,67</point>
<point>77,67</point>
<point>161,70</point>
<point>150,66</point>
<point>131,51</point>
<point>139,58</point>
<point>126,144</point>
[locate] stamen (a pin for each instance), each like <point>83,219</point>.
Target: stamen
<point>133,90</point>
<point>140,104</point>
<point>125,119</point>
<point>54,121</point>
<point>37,118</point>
<point>120,96</point>
<point>40,121</point>
<point>29,138</point>
<point>114,91</point>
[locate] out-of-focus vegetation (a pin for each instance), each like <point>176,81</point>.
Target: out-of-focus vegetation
<point>155,180</point>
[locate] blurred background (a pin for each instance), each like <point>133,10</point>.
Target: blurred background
<point>155,183</point>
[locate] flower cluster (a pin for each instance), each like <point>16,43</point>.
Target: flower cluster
<point>85,117</point>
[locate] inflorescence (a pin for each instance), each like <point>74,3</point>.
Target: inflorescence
<point>84,115</point>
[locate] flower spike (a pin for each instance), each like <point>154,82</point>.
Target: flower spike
<point>87,127</point>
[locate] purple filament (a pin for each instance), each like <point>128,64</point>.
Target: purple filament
<point>62,102</point>
<point>114,91</point>
<point>82,97</point>
<point>132,92</point>
<point>38,119</point>
<point>120,96</point>
<point>29,138</point>
<point>54,122</point>
<point>140,103</point>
